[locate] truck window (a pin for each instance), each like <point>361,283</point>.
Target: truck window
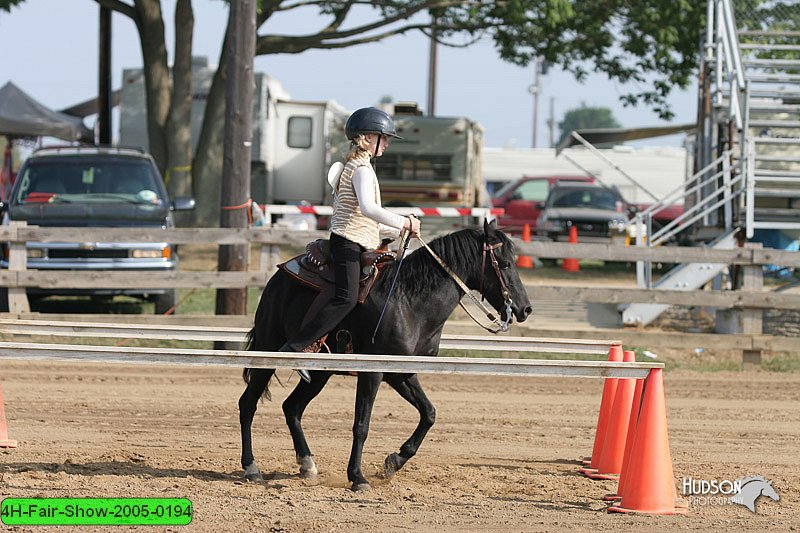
<point>412,167</point>
<point>298,132</point>
<point>87,179</point>
<point>533,191</point>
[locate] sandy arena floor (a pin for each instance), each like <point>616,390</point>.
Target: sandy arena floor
<point>502,456</point>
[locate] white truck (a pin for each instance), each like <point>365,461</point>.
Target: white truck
<point>438,162</point>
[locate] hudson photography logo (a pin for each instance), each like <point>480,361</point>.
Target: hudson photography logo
<point>744,491</point>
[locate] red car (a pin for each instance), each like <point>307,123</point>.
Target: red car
<point>524,198</point>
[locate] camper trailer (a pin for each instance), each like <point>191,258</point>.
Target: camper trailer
<point>437,163</point>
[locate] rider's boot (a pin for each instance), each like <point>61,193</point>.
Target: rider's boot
<point>313,348</point>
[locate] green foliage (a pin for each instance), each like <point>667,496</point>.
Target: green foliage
<point>6,5</point>
<point>649,42</point>
<point>586,117</point>
<point>653,43</point>
<point>775,18</point>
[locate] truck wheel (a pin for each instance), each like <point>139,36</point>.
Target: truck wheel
<point>165,302</point>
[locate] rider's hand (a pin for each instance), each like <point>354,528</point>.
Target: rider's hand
<point>412,225</point>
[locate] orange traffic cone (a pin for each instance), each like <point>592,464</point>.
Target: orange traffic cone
<point>606,403</point>
<point>650,483</point>
<point>525,261</point>
<point>634,419</point>
<point>5,442</point>
<point>613,451</point>
<point>570,264</point>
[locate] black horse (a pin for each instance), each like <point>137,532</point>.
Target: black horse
<point>424,297</point>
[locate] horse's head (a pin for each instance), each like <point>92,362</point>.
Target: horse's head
<point>751,488</point>
<point>500,283</point>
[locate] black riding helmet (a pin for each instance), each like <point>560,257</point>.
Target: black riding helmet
<point>370,120</point>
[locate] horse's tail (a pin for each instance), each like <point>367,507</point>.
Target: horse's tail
<point>247,373</point>
<point>248,345</point>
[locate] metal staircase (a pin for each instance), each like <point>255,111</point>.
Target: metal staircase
<point>771,62</point>
<point>747,146</point>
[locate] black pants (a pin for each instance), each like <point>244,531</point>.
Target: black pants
<point>346,269</point>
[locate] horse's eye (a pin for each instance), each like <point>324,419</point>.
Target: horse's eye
<point>504,265</point>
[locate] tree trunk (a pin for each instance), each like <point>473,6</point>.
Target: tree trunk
<point>156,74</point>
<point>239,89</point>
<point>207,164</point>
<point>179,130</point>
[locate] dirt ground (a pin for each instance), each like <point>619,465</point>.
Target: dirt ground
<point>502,456</point>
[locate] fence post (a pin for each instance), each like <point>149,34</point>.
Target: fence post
<point>17,262</point>
<point>752,319</point>
<point>270,254</point>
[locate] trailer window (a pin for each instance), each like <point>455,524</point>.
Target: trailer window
<point>410,167</point>
<point>298,133</point>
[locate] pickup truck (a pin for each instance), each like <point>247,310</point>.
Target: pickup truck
<point>91,186</point>
<point>524,199</point>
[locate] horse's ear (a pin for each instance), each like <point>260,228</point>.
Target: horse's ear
<point>489,229</point>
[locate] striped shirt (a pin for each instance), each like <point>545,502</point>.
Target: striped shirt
<point>348,220</point>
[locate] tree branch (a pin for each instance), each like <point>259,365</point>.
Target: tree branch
<point>273,44</point>
<point>268,44</point>
<point>341,14</point>
<point>120,7</point>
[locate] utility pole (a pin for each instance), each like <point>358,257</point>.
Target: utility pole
<point>238,140</point>
<point>432,66</point>
<point>534,90</point>
<point>551,124</point>
<point>104,78</point>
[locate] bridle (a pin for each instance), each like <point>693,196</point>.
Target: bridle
<point>490,248</point>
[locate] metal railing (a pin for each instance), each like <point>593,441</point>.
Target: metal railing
<point>722,50</point>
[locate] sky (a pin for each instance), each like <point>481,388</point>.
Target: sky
<point>50,51</point>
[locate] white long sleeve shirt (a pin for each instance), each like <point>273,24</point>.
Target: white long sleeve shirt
<point>369,202</point>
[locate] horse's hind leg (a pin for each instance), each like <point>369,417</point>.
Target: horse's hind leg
<point>410,389</point>
<point>293,407</point>
<point>248,403</point>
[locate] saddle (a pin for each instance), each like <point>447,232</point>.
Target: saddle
<point>314,268</point>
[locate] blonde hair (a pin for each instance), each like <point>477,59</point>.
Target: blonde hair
<point>359,147</point>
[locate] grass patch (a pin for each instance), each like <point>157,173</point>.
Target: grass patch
<point>782,363</point>
<point>190,302</point>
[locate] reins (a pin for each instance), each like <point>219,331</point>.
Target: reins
<point>501,326</point>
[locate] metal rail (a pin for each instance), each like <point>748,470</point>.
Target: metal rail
<point>235,334</point>
<point>327,362</point>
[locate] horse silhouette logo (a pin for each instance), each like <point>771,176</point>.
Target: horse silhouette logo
<point>751,488</point>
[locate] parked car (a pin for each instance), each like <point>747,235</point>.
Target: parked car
<point>600,214</point>
<point>75,186</point>
<point>524,198</point>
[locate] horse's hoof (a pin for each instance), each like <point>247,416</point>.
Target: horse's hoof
<point>252,473</point>
<point>361,487</point>
<point>310,473</point>
<point>308,470</point>
<point>391,465</point>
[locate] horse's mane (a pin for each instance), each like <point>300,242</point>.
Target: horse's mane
<point>460,250</point>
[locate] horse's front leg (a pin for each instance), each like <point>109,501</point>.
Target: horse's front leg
<point>258,379</point>
<point>293,407</point>
<point>366,391</point>
<point>411,390</point>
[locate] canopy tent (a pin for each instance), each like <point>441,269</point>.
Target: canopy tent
<point>22,116</point>
<point>618,135</point>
